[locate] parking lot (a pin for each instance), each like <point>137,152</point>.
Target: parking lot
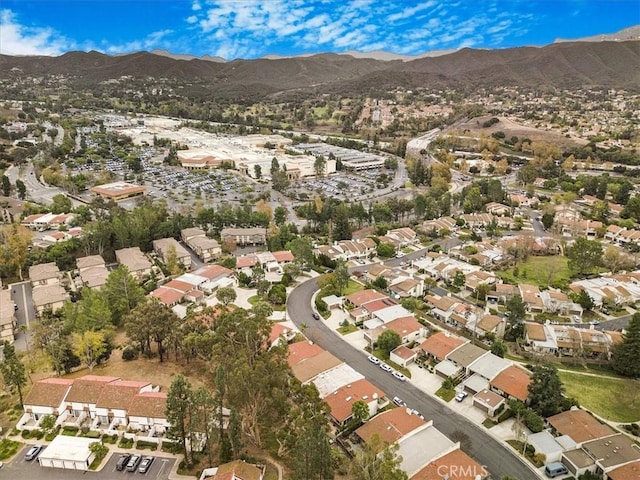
<point>21,469</point>
<point>345,185</point>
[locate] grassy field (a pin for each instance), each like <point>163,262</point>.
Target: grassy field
<point>542,271</point>
<point>353,287</point>
<point>615,399</point>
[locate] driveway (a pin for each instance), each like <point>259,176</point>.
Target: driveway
<point>23,470</point>
<point>478,443</point>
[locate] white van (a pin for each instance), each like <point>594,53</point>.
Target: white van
<point>555,469</point>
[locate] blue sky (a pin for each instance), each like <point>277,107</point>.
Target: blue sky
<point>255,28</point>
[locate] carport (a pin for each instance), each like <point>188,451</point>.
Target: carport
<point>71,453</point>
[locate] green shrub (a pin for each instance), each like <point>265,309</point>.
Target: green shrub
<point>144,445</point>
<point>70,428</point>
<point>129,353</point>
<point>52,434</point>
<point>8,448</point>
<point>91,434</point>
<point>125,442</point>
<point>110,439</point>
<point>170,447</point>
<point>505,415</point>
<point>26,434</point>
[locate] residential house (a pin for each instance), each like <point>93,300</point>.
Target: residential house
<point>93,271</point>
<point>558,302</point>
<point>466,355</point>
<point>205,248</point>
<point>440,225</point>
<point>502,293</point>
<point>235,470</point>
<point>215,276</point>
<point>442,307</point>
<point>488,401</point>
<point>408,327</point>
<point>341,401</point>
<point>498,209</point>
<point>391,426</point>
<point>407,287</point>
<point>8,323</point>
<point>46,397</point>
<point>307,360</point>
<point>165,247</point>
<point>244,236</point>
<point>624,472</point>
<point>112,406</point>
<point>404,236</point>
<point>403,355</point>
<point>609,453</point>
<point>487,365</point>
<point>44,274</point>
<point>147,412</point>
<point>455,465</point>
<point>136,262</point>
<point>439,345</point>
<point>84,394</point>
<point>512,383</point>
<point>48,297</point>
<point>539,338</point>
<point>531,297</point>
<point>490,324</point>
<point>579,425</point>
<point>328,381</point>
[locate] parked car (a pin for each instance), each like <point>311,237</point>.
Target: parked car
<point>134,461</point>
<point>555,469</point>
<point>385,367</point>
<point>315,316</point>
<point>123,461</point>
<point>400,376</point>
<point>33,452</point>
<point>461,396</point>
<point>399,402</point>
<point>145,465</point>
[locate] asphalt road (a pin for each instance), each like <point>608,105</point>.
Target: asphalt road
<point>19,468</point>
<point>477,442</point>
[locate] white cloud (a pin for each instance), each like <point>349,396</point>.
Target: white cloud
<point>18,39</point>
<point>152,41</point>
<point>410,12</point>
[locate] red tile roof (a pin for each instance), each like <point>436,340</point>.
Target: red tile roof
<point>391,425</point>
<point>513,381</point>
<point>149,404</point>
<point>455,465</point>
<point>579,425</point>
<point>441,344</point>
<point>341,401</point>
<point>48,393</point>
<point>302,350</point>
<point>87,389</point>
<point>364,296</point>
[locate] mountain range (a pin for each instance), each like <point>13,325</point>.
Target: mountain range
<point>610,64</point>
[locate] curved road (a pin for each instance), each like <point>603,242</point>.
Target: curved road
<point>498,459</point>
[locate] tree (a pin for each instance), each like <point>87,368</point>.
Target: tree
<point>47,423</point>
<point>60,203</point>
<point>498,348</point>
<point>6,186</point>
<point>612,259</point>
<point>389,340</point>
<point>13,371</point>
<point>179,413</point>
<point>15,241</point>
<point>99,450</point>
<point>151,321</point>
<point>626,354</point>
<point>584,300</point>
<point>341,276</point>
<point>377,461</point>
<point>171,262</point>
<point>277,294</point>
<point>359,412</point>
<point>385,250</point>
<point>226,295</point>
<point>122,292</point>
<point>89,346</point>
<point>302,250</point>
<point>380,282</point>
<point>545,391</point>
<point>516,309</point>
<point>547,220</point>
<point>21,188</point>
<point>319,165</point>
<point>584,255</point>
<point>257,169</point>
<point>279,215</point>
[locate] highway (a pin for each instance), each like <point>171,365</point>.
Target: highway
<point>480,445</point>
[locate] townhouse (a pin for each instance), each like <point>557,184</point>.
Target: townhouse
<point>407,327</point>
<point>44,274</point>
<point>166,247</point>
<point>244,236</point>
<point>45,221</point>
<point>205,248</point>
<point>8,321</point>
<point>566,340</point>
<point>136,262</point>
<point>92,271</point>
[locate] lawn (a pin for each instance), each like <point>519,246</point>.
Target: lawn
<point>347,329</point>
<point>352,287</point>
<point>446,394</point>
<point>542,271</point>
<point>8,448</point>
<point>615,399</point>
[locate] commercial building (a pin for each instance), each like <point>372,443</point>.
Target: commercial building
<point>117,191</point>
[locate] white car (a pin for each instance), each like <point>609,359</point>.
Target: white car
<point>385,367</point>
<point>399,402</point>
<point>461,396</point>
<point>374,360</point>
<point>400,376</point>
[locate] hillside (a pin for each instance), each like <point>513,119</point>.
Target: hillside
<point>562,65</point>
